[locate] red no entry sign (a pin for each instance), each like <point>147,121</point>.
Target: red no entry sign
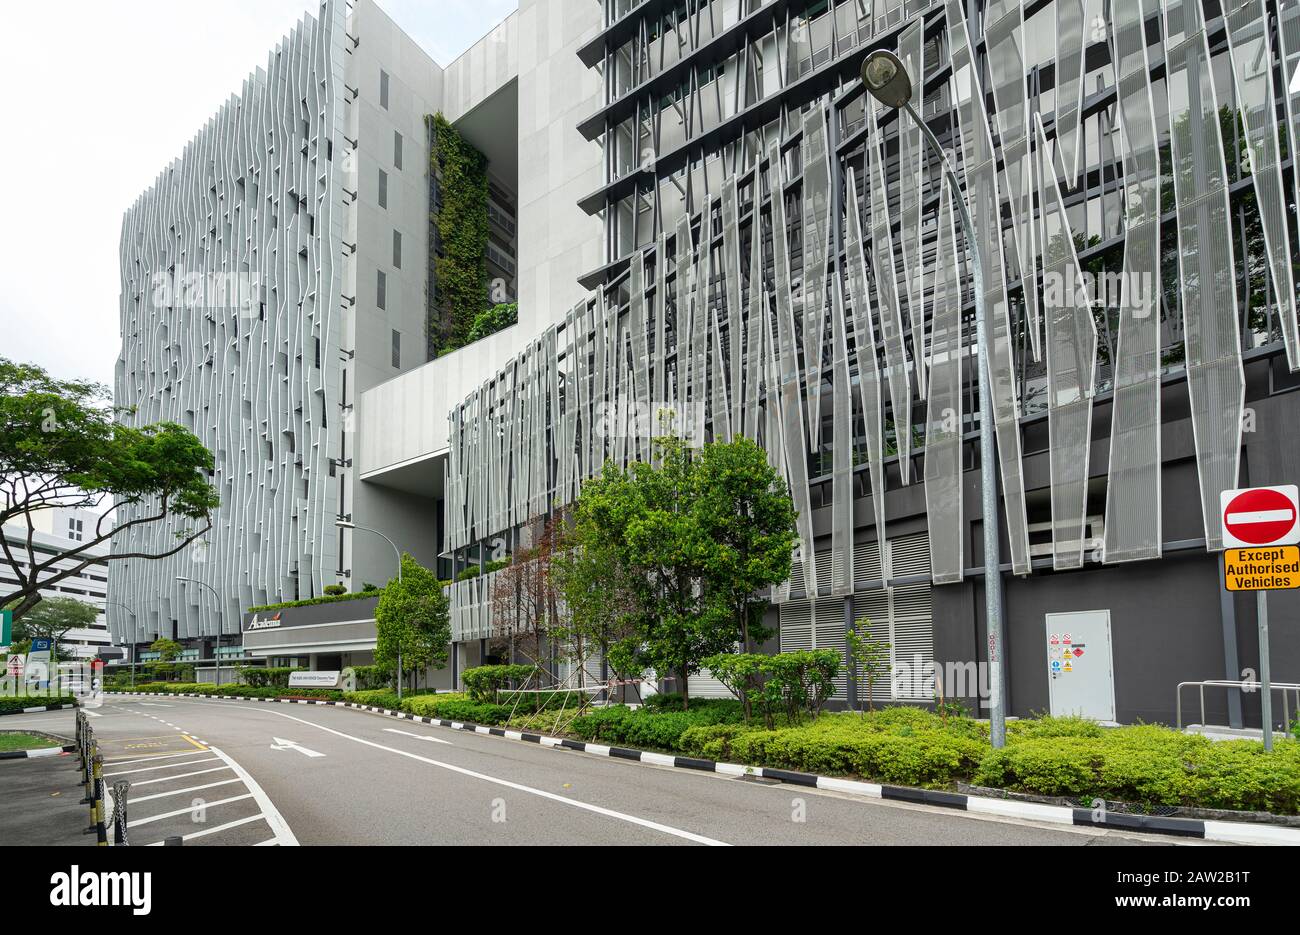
<point>1261,516</point>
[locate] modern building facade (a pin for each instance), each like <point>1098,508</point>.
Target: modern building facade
<point>283,265</point>
<point>783,260</point>
<point>711,216</point>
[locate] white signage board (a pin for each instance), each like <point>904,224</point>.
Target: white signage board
<point>314,679</point>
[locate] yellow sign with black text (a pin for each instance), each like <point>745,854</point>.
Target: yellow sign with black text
<point>1264,568</point>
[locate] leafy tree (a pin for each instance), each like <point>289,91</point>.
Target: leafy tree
<point>681,546</point>
<point>60,446</point>
<point>491,320</point>
<point>168,651</point>
<point>52,619</point>
<point>526,597</point>
<point>745,518</point>
<point>412,618</point>
<point>666,545</point>
<point>601,593</point>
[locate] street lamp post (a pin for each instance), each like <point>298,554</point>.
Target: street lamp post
<point>347,524</point>
<point>217,652</point>
<point>134,618</point>
<point>886,78</point>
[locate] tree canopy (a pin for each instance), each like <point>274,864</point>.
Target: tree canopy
<point>61,445</point>
<point>666,559</point>
<point>413,618</point>
<point>52,619</point>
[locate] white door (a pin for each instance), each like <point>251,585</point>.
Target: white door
<point>1080,674</point>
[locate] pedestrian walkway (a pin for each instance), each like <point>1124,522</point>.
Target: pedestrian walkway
<point>40,802</point>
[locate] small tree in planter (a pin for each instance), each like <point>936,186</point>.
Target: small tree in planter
<point>868,657</point>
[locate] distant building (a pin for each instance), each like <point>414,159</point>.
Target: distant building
<point>57,530</point>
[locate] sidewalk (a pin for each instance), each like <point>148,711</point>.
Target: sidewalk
<point>40,802</point>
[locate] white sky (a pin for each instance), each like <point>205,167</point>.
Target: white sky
<point>98,97</point>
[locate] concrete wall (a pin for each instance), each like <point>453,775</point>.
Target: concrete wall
<point>405,418</point>
<point>482,70</point>
<point>557,241</point>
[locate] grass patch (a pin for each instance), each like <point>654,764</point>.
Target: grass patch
<point>10,743</point>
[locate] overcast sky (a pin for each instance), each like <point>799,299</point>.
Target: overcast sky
<point>98,97</point>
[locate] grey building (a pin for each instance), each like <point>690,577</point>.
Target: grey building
<point>280,270</point>
<point>782,260</point>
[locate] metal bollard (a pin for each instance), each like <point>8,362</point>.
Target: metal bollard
<point>97,826</point>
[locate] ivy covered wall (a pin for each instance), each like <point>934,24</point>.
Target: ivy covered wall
<point>458,236</point>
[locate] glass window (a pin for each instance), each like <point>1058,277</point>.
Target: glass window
<point>397,150</point>
<point>381,290</point>
<point>397,350</point>
<point>383,89</point>
<point>383,189</point>
<point>397,249</point>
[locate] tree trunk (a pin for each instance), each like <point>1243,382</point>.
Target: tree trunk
<point>745,701</point>
<point>686,687</point>
<point>27,603</point>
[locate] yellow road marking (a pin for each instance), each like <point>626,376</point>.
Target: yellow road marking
<point>193,741</point>
<point>107,740</point>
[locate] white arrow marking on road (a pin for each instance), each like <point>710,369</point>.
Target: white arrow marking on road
<point>282,744</point>
<point>394,730</point>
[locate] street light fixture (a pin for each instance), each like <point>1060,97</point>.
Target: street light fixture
<point>217,652</point>
<point>885,76</point>
<point>348,524</point>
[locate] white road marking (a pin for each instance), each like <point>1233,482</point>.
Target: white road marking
<point>154,704</point>
<point>163,795</point>
<point>573,803</point>
<point>282,744</point>
<point>152,756</point>
<point>206,831</point>
<point>394,730</point>
<point>90,713</point>
<point>197,772</point>
<point>271,843</point>
<point>187,809</point>
<point>146,769</point>
<point>279,827</point>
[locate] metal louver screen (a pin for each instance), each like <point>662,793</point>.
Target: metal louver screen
<point>899,615</point>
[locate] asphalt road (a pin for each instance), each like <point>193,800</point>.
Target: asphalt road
<point>233,772</point>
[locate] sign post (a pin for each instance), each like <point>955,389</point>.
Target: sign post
<point>1261,526</point>
<point>6,627</point>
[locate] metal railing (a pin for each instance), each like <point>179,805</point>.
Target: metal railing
<point>1286,688</point>
<point>118,819</point>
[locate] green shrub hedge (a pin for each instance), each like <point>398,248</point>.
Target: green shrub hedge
<point>483,682</point>
<point>15,704</point>
<point>1152,766</point>
<point>267,676</point>
<point>385,698</point>
<point>909,746</point>
<point>647,727</point>
<point>231,688</point>
<point>323,599</point>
